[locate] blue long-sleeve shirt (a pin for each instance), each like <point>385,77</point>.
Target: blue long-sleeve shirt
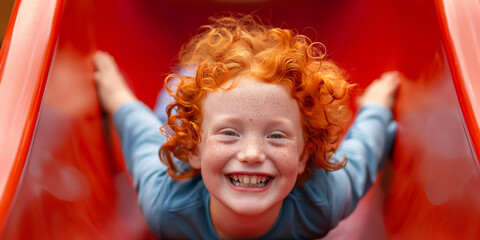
<point>180,209</point>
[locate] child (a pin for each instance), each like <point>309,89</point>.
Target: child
<point>251,137</point>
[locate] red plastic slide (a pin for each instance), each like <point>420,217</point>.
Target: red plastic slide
<point>61,172</point>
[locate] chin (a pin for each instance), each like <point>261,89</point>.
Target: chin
<point>248,208</point>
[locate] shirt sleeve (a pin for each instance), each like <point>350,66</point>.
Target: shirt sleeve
<point>140,136</point>
<point>366,146</point>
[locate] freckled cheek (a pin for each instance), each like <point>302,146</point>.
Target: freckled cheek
<point>287,159</point>
<point>215,156</point>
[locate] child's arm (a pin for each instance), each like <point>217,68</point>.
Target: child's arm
<point>138,129</point>
<point>328,197</point>
<point>366,145</point>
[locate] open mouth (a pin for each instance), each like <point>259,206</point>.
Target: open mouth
<point>249,181</point>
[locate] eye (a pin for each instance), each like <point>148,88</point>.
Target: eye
<point>276,135</point>
<point>229,133</point>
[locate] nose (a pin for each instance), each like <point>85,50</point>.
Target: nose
<point>252,153</point>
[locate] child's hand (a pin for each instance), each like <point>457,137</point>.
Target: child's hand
<point>112,89</point>
<point>382,91</point>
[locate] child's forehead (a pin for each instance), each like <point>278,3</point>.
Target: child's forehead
<point>253,103</point>
<point>252,87</point>
<point>249,93</point>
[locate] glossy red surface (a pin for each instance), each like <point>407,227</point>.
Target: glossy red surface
<point>460,21</point>
<point>22,59</point>
<point>61,177</point>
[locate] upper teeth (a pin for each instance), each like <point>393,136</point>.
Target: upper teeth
<point>249,181</point>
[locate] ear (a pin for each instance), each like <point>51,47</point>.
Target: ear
<point>194,158</point>
<point>303,161</point>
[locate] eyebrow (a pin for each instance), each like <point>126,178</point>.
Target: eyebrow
<point>225,118</point>
<point>281,121</point>
<point>237,120</point>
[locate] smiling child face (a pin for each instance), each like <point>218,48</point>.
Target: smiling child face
<point>251,146</point>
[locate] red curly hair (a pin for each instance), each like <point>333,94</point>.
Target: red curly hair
<point>242,45</point>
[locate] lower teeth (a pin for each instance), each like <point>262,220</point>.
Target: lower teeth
<point>239,184</point>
